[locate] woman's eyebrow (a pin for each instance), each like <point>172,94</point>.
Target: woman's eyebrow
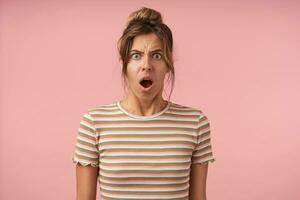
<point>135,50</point>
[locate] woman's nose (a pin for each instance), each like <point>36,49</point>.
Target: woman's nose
<point>147,67</point>
<point>147,64</point>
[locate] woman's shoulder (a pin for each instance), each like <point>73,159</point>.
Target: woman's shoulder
<point>186,108</point>
<point>102,108</point>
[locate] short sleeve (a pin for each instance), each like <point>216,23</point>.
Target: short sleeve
<point>203,153</point>
<point>86,148</point>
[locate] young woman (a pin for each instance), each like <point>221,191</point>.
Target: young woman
<point>143,147</point>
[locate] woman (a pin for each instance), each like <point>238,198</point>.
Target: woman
<point>144,147</point>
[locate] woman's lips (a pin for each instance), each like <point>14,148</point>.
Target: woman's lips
<point>146,86</point>
<point>146,83</point>
<point>144,89</point>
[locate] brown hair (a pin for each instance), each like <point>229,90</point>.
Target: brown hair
<point>145,21</point>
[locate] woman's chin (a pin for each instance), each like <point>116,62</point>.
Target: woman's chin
<point>146,89</point>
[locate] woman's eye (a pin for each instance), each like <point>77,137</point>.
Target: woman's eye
<point>157,56</point>
<point>135,56</point>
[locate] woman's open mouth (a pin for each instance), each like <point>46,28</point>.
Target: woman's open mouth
<point>146,83</point>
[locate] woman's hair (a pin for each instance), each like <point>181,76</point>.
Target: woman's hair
<point>146,21</point>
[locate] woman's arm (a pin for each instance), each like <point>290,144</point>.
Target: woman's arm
<point>198,182</point>
<point>86,178</point>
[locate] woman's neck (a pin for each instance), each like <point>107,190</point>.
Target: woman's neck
<point>143,107</point>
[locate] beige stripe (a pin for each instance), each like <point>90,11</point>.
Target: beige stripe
<point>148,123</point>
<point>86,151</point>
<point>142,195</point>
<point>86,128</point>
<point>83,143</point>
<point>147,150</point>
<point>86,159</point>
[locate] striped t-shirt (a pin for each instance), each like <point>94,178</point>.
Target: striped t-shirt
<point>143,157</point>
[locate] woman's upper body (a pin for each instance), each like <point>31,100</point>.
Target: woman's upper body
<point>145,157</point>
<point>144,147</point>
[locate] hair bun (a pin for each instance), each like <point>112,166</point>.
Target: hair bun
<point>145,14</point>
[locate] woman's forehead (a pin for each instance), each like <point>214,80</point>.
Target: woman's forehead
<point>148,42</point>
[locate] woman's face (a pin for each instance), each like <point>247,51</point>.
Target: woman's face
<point>146,62</point>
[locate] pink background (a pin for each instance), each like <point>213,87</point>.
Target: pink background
<point>237,61</point>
